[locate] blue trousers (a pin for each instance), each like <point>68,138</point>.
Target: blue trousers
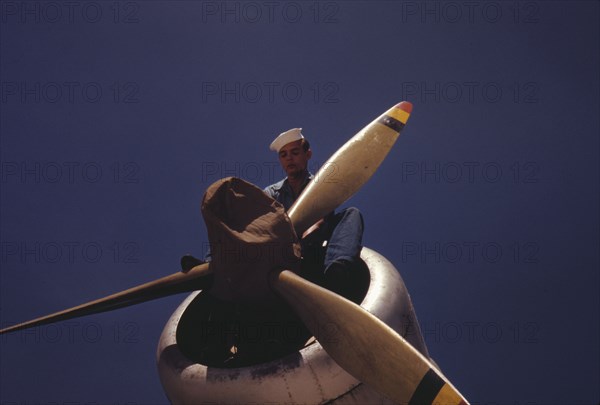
<point>345,241</point>
<point>342,233</point>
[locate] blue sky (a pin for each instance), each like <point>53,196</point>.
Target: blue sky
<point>116,116</point>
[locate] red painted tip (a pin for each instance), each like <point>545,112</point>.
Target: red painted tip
<point>405,106</point>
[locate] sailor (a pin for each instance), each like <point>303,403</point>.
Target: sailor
<point>331,248</point>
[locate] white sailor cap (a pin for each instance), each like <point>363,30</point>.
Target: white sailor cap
<point>286,137</point>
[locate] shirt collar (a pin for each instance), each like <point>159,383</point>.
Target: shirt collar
<point>285,185</point>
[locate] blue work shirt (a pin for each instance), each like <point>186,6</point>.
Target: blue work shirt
<point>283,193</point>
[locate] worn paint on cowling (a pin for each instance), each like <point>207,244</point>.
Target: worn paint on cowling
<point>307,376</point>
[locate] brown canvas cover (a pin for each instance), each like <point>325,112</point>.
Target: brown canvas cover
<point>250,235</point>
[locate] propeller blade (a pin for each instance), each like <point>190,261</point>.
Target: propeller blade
<point>173,284</point>
<point>349,168</point>
<point>343,174</point>
<point>365,346</point>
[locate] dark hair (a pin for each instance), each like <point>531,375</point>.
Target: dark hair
<point>305,144</point>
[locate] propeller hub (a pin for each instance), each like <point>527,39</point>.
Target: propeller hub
<point>250,235</point>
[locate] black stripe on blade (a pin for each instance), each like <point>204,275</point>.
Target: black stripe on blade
<point>427,390</point>
<point>391,122</point>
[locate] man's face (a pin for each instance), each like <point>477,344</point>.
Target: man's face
<point>294,159</point>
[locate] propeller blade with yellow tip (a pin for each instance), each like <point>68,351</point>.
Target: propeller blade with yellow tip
<point>349,168</point>
<point>359,342</point>
<point>343,174</point>
<point>364,346</point>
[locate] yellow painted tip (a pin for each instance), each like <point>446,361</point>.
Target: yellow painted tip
<point>405,106</point>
